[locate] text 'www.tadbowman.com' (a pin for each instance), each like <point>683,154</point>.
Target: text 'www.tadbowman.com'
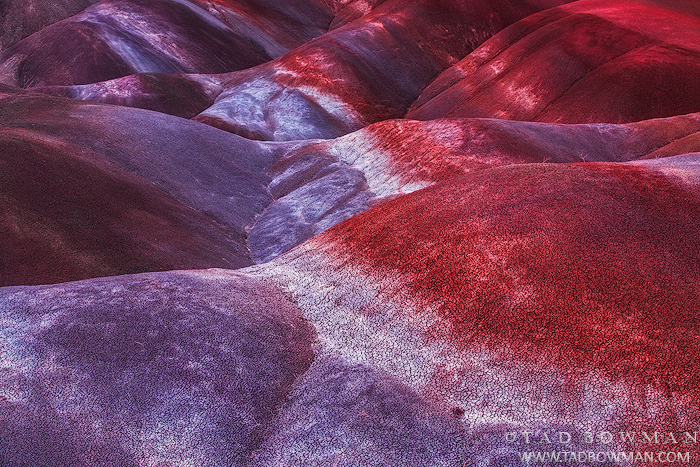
<point>591,457</point>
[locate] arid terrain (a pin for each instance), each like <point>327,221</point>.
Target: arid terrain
<point>352,233</point>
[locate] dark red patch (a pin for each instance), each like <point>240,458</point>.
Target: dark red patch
<point>582,63</point>
<point>650,82</point>
<point>688,144</point>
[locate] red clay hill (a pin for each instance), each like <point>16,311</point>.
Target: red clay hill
<point>589,61</point>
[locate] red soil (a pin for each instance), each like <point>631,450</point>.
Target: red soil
<point>586,263</point>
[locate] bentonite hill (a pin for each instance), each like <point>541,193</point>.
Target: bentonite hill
<point>352,233</point>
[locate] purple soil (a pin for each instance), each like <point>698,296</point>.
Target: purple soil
<point>343,414</point>
<point>214,172</point>
<point>120,37</point>
<point>152,369</point>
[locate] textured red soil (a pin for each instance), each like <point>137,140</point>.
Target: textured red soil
<point>585,263</point>
<point>590,61</point>
<point>439,150</point>
<point>365,71</point>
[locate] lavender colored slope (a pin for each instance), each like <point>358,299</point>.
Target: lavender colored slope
<point>332,194</point>
<point>348,414</point>
<point>177,369</point>
<point>116,38</point>
<point>197,369</point>
<point>368,70</point>
<point>588,61</point>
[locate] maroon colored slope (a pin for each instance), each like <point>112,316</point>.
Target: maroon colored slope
<point>589,61</point>
<point>690,143</point>
<point>68,215</point>
<point>20,18</point>
<point>532,296</point>
<point>366,71</point>
<point>152,369</point>
<point>90,190</point>
<point>120,37</point>
<point>214,172</point>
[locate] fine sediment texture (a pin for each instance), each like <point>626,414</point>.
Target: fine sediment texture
<point>359,233</point>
